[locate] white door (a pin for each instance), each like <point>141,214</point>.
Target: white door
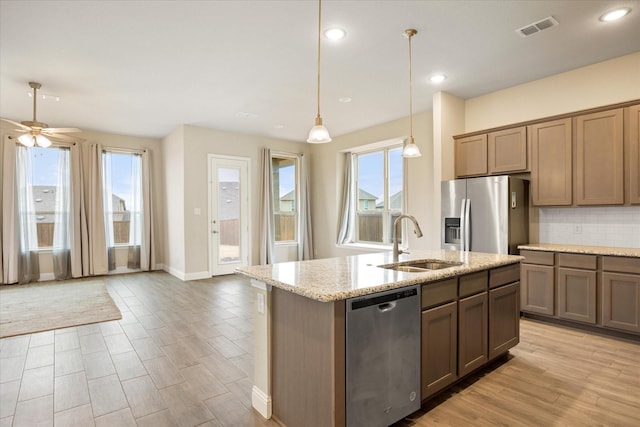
<point>228,213</point>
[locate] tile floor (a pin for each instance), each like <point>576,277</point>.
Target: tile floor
<point>180,356</point>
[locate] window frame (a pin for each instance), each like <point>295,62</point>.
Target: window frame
<point>56,145</point>
<point>385,147</point>
<point>296,203</point>
<point>121,151</point>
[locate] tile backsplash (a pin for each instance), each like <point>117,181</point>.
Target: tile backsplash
<point>598,226</point>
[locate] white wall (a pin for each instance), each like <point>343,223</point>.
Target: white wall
<point>173,168</point>
<point>328,175</point>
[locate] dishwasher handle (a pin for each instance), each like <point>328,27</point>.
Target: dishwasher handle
<point>387,306</point>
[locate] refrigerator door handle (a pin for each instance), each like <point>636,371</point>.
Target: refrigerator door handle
<point>462,225</point>
<point>467,225</point>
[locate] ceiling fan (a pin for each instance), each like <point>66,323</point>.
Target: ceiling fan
<point>36,132</point>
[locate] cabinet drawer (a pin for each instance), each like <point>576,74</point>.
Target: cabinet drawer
<point>587,262</point>
<point>439,292</point>
<point>473,284</point>
<point>621,264</point>
<point>504,275</point>
<point>537,257</point>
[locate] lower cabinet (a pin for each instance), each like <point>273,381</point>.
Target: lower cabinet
<point>466,322</point>
<point>538,288</point>
<point>439,348</point>
<point>473,322</point>
<point>577,295</point>
<point>621,301</point>
<point>504,319</point>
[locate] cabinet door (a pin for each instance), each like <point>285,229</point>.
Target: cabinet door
<point>472,333</point>
<point>538,285</point>
<point>471,156</point>
<point>577,295</point>
<point>504,319</point>
<point>599,158</point>
<point>439,348</point>
<point>633,129</point>
<point>507,151</point>
<point>621,301</point>
<point>551,170</point>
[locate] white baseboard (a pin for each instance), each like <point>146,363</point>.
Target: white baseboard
<point>261,402</point>
<point>185,277</point>
<point>44,277</point>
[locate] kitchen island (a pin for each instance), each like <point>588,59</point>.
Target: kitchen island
<point>299,335</point>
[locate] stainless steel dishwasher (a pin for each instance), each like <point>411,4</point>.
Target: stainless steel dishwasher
<point>383,357</point>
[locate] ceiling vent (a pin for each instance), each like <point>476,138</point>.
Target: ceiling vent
<point>536,27</point>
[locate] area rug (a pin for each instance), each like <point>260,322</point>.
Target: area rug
<point>25,309</point>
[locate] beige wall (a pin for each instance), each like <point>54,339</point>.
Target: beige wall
<point>328,174</point>
<point>193,147</point>
<point>608,82</point>
<point>173,177</point>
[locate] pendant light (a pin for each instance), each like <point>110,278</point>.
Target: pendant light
<point>410,148</point>
<point>318,133</point>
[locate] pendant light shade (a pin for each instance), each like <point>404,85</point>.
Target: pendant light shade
<point>318,133</point>
<point>410,148</point>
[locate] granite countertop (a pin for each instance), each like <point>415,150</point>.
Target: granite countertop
<point>334,279</point>
<point>593,250</point>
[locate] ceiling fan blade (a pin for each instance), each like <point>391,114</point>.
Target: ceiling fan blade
<point>20,125</point>
<point>63,137</point>
<point>60,130</point>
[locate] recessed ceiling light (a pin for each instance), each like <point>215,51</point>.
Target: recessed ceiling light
<point>344,99</point>
<point>246,115</point>
<point>335,33</point>
<point>614,15</point>
<point>438,78</point>
<point>278,126</point>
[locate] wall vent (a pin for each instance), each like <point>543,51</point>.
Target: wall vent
<point>536,27</point>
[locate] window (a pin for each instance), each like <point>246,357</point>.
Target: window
<point>285,200</point>
<point>122,179</point>
<point>48,178</point>
<point>379,187</point>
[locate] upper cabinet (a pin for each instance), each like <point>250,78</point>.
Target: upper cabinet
<point>600,158</point>
<point>632,125</point>
<point>551,166</point>
<point>507,151</point>
<point>471,156</point>
<point>493,153</point>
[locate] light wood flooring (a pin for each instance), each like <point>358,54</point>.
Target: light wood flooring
<point>182,356</point>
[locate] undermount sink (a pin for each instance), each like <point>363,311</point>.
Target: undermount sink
<point>421,265</point>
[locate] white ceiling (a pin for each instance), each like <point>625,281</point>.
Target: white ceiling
<point>142,68</point>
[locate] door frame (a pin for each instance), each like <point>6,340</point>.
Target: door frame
<point>246,236</point>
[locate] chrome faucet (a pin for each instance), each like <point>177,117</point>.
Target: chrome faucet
<point>396,233</point>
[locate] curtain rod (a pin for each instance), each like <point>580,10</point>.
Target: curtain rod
<point>124,150</point>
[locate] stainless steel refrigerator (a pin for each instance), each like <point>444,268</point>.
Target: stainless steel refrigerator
<point>487,214</point>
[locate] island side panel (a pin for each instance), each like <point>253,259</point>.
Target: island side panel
<point>308,354</point>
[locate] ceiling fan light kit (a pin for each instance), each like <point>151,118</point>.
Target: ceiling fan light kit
<point>38,133</point>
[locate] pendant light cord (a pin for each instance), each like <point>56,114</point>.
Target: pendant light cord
<point>319,27</point>
<point>410,94</point>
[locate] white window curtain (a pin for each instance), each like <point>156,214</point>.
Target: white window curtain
<point>107,201</point>
<point>28,256</point>
<point>347,211</point>
<point>135,215</point>
<point>97,259</point>
<point>305,246</point>
<point>267,230</point>
<point>62,218</point>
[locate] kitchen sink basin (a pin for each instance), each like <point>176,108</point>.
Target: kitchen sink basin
<point>421,265</point>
